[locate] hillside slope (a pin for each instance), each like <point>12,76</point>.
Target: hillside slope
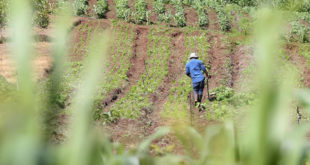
<point>144,83</point>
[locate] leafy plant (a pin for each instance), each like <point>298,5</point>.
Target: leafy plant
<point>81,7</point>
<point>140,11</point>
<point>41,8</point>
<point>122,9</point>
<point>223,19</point>
<point>202,17</point>
<point>223,92</point>
<point>179,16</point>
<point>159,6</point>
<point>101,8</point>
<point>165,17</point>
<point>299,32</point>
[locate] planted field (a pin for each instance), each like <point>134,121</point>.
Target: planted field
<point>108,77</point>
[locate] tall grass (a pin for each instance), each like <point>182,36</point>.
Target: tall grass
<point>269,138</point>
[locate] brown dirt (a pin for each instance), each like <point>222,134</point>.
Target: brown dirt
<point>213,21</point>
<point>218,56</point>
<point>153,17</point>
<point>91,4</point>
<point>41,63</point>
<point>77,48</point>
<point>241,59</point>
<point>191,16</point>
<point>111,14</point>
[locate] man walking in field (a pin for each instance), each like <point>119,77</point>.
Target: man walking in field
<point>195,70</point>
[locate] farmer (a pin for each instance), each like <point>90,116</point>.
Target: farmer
<point>195,70</point>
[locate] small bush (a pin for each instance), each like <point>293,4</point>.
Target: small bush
<point>41,8</point>
<point>202,17</point>
<point>122,9</point>
<point>165,17</point>
<point>223,93</point>
<point>179,16</point>
<point>140,14</point>
<point>159,6</point>
<point>223,19</point>
<point>81,7</point>
<point>299,32</point>
<point>101,8</point>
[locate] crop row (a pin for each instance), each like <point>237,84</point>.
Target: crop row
<point>86,32</point>
<point>201,12</point>
<point>156,69</point>
<point>115,75</point>
<point>221,15</point>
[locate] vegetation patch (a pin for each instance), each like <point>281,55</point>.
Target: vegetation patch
<point>101,8</point>
<point>179,16</point>
<point>122,10</point>
<point>156,69</point>
<point>140,14</point>
<point>81,7</point>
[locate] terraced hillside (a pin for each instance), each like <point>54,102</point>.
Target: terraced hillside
<point>144,84</point>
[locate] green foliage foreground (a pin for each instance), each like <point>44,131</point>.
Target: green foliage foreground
<point>268,139</point>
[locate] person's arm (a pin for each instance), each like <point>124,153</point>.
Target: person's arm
<point>203,68</point>
<point>188,72</point>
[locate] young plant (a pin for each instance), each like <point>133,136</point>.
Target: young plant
<point>101,8</point>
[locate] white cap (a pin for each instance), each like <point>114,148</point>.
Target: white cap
<point>193,55</point>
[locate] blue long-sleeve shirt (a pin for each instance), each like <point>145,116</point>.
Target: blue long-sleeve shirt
<point>195,68</point>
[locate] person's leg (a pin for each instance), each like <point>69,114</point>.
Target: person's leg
<point>200,93</point>
<point>196,92</point>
